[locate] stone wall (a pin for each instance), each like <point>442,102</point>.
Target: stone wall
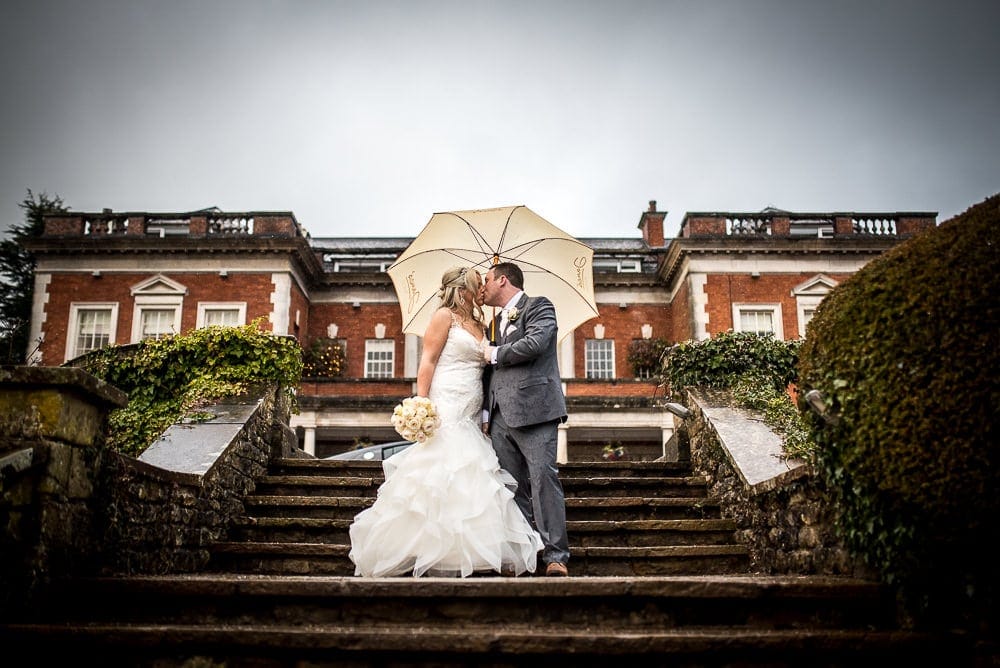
<point>161,521</point>
<point>52,423</point>
<point>788,526</point>
<point>69,506</point>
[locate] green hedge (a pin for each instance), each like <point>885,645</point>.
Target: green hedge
<point>906,354</point>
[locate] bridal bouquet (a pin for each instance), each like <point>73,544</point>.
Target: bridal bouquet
<point>416,419</point>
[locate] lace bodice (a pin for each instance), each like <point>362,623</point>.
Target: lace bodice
<point>457,389</point>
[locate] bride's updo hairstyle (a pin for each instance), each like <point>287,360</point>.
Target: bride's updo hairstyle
<point>452,296</point>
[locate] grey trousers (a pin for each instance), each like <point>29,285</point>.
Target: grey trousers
<point>529,454</point>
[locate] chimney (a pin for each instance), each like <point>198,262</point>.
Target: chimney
<point>651,224</point>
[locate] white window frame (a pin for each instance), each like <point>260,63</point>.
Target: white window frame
<point>380,346</point>
<point>590,364</point>
<point>74,324</point>
<point>143,304</point>
<point>776,320</point>
<point>802,305</point>
<point>808,295</point>
<point>157,293</point>
<point>205,307</point>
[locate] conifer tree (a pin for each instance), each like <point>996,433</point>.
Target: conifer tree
<point>17,277</point>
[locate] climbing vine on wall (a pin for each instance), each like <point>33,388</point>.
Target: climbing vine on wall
<point>172,378</point>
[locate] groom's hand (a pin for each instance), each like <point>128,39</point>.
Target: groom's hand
<point>488,353</point>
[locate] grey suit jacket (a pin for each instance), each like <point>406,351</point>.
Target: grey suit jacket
<point>524,383</point>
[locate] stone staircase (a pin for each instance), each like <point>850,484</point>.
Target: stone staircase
<point>657,578</point>
<point>623,518</point>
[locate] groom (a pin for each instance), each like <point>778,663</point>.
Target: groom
<point>524,404</point>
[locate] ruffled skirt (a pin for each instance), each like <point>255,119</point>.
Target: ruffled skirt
<point>446,509</point>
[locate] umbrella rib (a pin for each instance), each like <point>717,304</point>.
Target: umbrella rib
<point>505,226</point>
<point>477,235</point>
<point>528,245</point>
<point>558,277</point>
<point>454,252</point>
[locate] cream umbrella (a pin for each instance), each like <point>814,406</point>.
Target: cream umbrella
<point>555,264</point>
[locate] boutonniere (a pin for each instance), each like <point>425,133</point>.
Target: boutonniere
<point>512,314</point>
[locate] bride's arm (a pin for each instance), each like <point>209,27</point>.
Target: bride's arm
<point>434,340</point>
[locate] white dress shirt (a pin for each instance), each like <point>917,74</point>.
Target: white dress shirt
<point>504,322</point>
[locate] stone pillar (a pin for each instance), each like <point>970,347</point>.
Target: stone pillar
<point>566,358</point>
<point>562,445</point>
<point>309,442</point>
<point>670,450</point>
<point>52,426</point>
<point>411,355</point>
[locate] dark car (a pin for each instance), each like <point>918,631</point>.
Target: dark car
<point>374,452</point>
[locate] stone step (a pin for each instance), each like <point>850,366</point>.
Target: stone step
<point>586,508</point>
<point>331,559</point>
<point>577,508</point>
<point>267,621</point>
<point>356,485</point>
<point>317,485</point>
<point>583,533</point>
<point>300,467</point>
<point>609,602</point>
<point>500,646</point>
<point>648,486</point>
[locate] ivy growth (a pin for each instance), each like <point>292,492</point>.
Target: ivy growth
<point>756,368</point>
<point>721,360</point>
<point>644,356</point>
<point>171,379</point>
<point>323,359</point>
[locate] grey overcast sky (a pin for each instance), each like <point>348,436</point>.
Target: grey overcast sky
<point>364,118</point>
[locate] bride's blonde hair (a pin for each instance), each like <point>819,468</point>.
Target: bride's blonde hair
<point>453,282</point>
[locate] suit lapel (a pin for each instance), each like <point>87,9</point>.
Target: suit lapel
<point>521,303</point>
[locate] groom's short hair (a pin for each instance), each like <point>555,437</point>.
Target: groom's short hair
<point>513,273</point>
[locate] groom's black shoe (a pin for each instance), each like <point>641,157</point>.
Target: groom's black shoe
<point>555,569</point>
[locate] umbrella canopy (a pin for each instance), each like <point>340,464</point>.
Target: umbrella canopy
<point>555,264</point>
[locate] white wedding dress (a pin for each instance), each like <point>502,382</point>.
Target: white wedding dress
<point>446,507</point>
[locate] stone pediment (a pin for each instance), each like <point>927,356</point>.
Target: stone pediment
<point>158,285</point>
<point>820,284</point>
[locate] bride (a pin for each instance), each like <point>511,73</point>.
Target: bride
<point>446,507</point>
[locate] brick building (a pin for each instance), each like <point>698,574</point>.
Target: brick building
<point>115,278</point>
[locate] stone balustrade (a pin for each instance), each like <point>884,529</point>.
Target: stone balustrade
<point>161,225</point>
<point>774,223</point>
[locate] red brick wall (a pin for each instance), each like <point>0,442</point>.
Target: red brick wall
<point>56,226</point>
<point>682,327</point>
<point>726,289</point>
<point>624,387</point>
<point>623,325</point>
<point>696,226</point>
<point>298,304</point>
<point>67,288</point>
<point>254,289</point>
<point>64,289</point>
<point>350,387</point>
<point>914,225</point>
<point>281,226</point>
<point>355,326</point>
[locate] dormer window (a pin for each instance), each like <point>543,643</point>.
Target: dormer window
<point>617,265</point>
